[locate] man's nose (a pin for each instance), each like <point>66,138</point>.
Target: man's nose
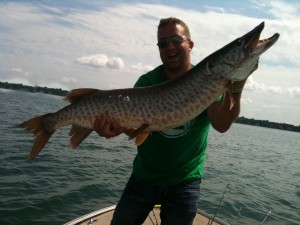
<point>170,44</point>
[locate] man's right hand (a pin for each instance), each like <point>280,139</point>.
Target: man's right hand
<point>107,129</point>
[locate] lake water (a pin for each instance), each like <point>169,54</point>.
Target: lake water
<point>260,165</point>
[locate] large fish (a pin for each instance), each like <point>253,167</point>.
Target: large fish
<point>158,107</point>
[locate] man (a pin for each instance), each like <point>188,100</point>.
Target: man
<point>168,167</point>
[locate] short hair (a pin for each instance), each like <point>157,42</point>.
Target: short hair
<point>172,20</point>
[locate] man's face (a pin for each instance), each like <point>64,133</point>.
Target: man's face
<point>175,56</point>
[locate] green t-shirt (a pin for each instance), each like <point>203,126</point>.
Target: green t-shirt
<point>175,155</point>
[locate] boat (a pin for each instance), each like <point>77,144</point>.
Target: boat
<point>104,216</point>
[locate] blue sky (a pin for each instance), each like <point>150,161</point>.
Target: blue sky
<point>109,44</point>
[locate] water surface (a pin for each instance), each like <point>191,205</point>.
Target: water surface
<point>260,165</point>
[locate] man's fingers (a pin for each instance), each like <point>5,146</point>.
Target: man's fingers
<point>100,123</point>
<point>105,128</point>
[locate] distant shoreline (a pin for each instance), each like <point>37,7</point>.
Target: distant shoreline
<point>60,92</point>
<point>33,89</point>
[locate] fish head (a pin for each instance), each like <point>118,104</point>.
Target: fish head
<point>238,59</point>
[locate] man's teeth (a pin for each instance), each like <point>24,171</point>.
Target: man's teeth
<point>172,55</point>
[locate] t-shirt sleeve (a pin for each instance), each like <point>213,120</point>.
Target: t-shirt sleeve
<point>219,98</point>
<point>143,81</point>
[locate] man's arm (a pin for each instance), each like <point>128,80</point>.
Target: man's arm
<point>220,114</point>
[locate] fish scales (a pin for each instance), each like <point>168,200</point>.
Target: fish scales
<point>158,107</point>
<point>164,106</point>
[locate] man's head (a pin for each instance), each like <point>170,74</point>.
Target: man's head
<point>172,20</point>
<point>175,45</point>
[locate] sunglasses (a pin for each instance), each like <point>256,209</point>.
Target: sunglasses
<point>176,40</point>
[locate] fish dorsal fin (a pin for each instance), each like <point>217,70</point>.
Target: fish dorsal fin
<point>76,94</point>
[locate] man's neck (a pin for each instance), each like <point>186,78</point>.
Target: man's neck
<point>175,74</point>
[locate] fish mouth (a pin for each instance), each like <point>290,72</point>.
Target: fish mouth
<point>262,45</point>
<point>252,37</point>
<point>254,44</point>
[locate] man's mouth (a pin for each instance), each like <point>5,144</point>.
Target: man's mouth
<point>172,55</point>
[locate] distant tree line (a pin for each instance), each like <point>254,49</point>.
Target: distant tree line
<point>268,124</point>
<point>60,92</point>
<point>33,89</point>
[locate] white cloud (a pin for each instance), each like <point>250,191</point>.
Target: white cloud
<point>115,63</point>
<point>69,79</point>
<point>246,101</point>
<point>27,74</point>
<point>101,60</point>
<point>215,9</point>
<point>294,91</point>
<point>278,9</point>
<point>98,60</point>
<point>252,85</point>
<point>275,89</point>
<point>142,68</point>
<point>281,9</point>
<point>271,107</point>
<point>18,70</point>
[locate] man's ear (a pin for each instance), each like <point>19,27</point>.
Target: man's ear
<point>191,43</point>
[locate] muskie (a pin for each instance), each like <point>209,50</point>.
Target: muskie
<point>158,107</point>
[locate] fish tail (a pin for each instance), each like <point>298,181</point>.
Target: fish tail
<point>37,127</point>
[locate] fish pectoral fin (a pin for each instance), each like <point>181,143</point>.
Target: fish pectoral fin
<point>228,94</point>
<point>141,138</point>
<point>76,94</point>
<point>132,132</point>
<point>139,134</point>
<point>78,134</point>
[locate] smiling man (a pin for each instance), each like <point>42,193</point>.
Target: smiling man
<point>175,45</point>
<point>168,167</point>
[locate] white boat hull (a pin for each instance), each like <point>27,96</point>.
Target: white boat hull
<point>104,216</point>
